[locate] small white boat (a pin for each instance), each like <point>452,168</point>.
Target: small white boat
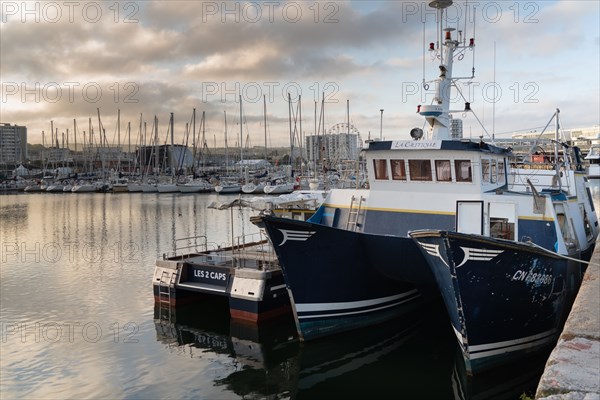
<point>196,186</point>
<point>279,187</point>
<point>149,186</point>
<point>34,188</point>
<point>84,187</point>
<point>55,187</point>
<point>167,188</point>
<point>134,187</point>
<point>120,186</point>
<point>228,187</point>
<point>251,187</point>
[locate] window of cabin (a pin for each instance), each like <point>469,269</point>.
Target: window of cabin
<point>420,170</point>
<point>587,226</point>
<point>443,171</point>
<point>564,229</point>
<point>380,168</point>
<point>398,170</point>
<point>485,171</point>
<point>493,171</point>
<point>501,175</point>
<point>462,170</point>
<point>501,228</point>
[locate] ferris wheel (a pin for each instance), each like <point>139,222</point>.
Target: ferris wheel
<point>343,143</point>
<point>343,128</point>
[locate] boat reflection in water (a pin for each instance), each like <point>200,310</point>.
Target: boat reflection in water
<point>409,357</point>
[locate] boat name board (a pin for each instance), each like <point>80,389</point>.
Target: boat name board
<point>209,276</point>
<point>416,144</point>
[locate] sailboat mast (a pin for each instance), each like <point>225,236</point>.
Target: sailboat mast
<point>75,152</point>
<point>265,121</point>
<point>315,145</point>
<point>301,141</point>
<point>291,133</point>
<point>129,147</point>
<point>156,148</point>
<point>172,150</point>
<point>226,147</point>
<point>194,141</point>
<point>204,145</point>
<point>241,135</point>
<point>119,140</point>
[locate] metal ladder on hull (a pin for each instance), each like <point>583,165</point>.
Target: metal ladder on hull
<point>354,213</point>
<point>167,281</point>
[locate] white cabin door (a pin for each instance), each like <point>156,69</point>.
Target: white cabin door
<point>469,217</point>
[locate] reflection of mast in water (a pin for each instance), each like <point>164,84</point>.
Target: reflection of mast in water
<point>159,223</point>
<point>173,220</point>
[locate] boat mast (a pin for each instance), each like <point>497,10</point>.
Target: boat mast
<point>172,157</point>
<point>119,140</point>
<point>156,144</point>
<point>265,121</point>
<point>75,152</point>
<point>438,113</point>
<point>291,133</point>
<point>241,137</point>
<point>204,144</point>
<point>301,138</point>
<point>226,147</point>
<point>556,144</point>
<point>129,147</point>
<point>194,144</point>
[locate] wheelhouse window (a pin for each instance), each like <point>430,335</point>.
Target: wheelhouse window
<point>493,171</point>
<point>442,171</point>
<point>380,168</point>
<point>462,170</point>
<point>501,175</point>
<point>420,170</point>
<point>398,170</point>
<point>485,171</point>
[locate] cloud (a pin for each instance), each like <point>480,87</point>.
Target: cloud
<point>170,56</point>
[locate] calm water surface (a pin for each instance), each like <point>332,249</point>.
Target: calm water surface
<point>78,319</point>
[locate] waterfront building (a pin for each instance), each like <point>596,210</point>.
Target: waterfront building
<point>13,144</point>
<point>332,148</point>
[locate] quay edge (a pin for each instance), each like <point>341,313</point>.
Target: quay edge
<point>572,371</point>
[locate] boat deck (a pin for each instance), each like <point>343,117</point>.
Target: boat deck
<point>247,273</point>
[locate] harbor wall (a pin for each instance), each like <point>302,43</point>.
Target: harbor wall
<point>573,370</point>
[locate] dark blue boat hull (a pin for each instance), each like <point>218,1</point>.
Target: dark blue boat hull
<point>505,299</point>
<point>337,278</point>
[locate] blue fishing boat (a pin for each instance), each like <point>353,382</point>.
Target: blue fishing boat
<point>356,254</point>
<point>506,299</point>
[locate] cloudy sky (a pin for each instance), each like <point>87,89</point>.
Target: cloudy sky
<point>62,61</point>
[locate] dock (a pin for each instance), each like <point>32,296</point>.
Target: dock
<point>572,371</point>
<point>246,273</point>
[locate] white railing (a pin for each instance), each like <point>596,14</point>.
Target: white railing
<point>252,250</point>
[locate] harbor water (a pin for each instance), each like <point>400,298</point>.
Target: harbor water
<point>78,319</point>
